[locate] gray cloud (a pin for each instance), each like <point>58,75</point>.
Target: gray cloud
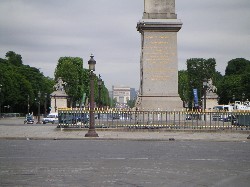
<point>216,29</point>
<point>42,31</point>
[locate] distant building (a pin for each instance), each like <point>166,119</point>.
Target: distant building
<point>122,94</point>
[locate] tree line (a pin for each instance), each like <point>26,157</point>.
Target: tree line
<point>71,71</point>
<point>233,86</point>
<point>22,87</point>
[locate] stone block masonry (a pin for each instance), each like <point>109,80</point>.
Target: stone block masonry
<point>159,63</point>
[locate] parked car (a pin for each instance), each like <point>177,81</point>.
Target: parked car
<point>68,118</point>
<point>84,118</point>
<point>229,118</point>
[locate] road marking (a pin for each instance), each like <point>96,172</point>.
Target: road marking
<point>207,159</point>
<point>120,158</point>
<point>114,158</point>
<point>138,158</point>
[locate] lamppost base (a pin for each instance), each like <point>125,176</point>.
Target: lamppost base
<point>91,133</point>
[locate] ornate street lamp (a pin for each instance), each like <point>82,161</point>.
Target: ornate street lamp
<point>99,82</point>
<point>55,103</point>
<point>91,131</point>
<point>45,104</point>
<point>204,83</point>
<point>39,97</point>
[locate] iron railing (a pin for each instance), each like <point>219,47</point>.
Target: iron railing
<point>113,118</point>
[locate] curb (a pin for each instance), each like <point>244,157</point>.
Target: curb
<point>122,139</point>
<point>159,130</point>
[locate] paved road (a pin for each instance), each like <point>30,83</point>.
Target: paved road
<point>124,163</point>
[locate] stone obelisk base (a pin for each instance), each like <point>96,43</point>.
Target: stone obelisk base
<point>159,65</point>
<point>151,103</point>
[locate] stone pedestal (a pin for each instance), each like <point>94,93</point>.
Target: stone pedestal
<point>211,96</point>
<point>211,100</point>
<point>159,64</point>
<point>58,100</point>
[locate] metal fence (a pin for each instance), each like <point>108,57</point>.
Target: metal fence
<point>10,115</point>
<point>156,119</point>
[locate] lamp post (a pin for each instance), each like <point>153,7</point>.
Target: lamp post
<point>99,90</point>
<point>55,107</point>
<point>243,98</point>
<point>45,104</point>
<point>91,131</point>
<point>28,105</point>
<point>205,96</point>
<point>99,82</point>
<point>39,97</point>
<point>233,98</point>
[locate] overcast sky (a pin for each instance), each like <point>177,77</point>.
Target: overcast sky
<point>42,31</point>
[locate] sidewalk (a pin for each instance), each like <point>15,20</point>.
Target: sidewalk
<point>52,133</point>
<point>13,131</point>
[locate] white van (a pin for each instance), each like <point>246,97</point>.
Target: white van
<point>222,113</point>
<point>223,108</point>
<point>51,118</point>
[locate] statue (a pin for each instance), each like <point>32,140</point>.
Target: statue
<point>59,86</point>
<point>58,97</point>
<point>210,87</point>
<point>211,95</point>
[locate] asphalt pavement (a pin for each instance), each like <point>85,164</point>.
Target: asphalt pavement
<point>43,155</point>
<point>124,163</point>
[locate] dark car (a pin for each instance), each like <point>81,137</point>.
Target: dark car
<point>229,118</point>
<point>29,120</point>
<point>83,118</point>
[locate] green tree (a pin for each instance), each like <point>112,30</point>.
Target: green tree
<point>235,82</point>
<point>105,100</point>
<point>70,69</point>
<point>183,85</point>
<point>131,103</point>
<point>236,66</point>
<point>20,82</point>
<point>230,86</point>
<point>245,81</point>
<point>199,69</point>
<point>13,58</point>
